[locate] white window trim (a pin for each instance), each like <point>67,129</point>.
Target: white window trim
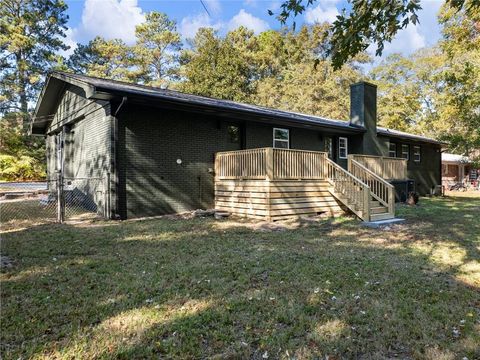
<point>287,141</point>
<point>408,152</point>
<point>390,150</point>
<point>340,148</point>
<point>419,153</point>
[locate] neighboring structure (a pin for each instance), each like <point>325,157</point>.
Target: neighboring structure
<point>458,169</point>
<point>157,147</point>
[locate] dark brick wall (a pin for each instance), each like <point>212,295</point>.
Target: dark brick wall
<point>150,142</point>
<point>427,172</point>
<point>153,140</point>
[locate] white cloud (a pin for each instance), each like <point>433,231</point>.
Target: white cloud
<point>324,11</point>
<point>406,41</point>
<point>415,37</point>
<point>213,6</point>
<point>69,40</point>
<point>249,21</point>
<point>110,19</point>
<point>252,3</point>
<point>190,25</point>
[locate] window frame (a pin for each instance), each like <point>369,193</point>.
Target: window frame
<point>340,138</point>
<point>419,153</point>
<point>281,140</point>
<point>390,149</point>
<point>408,152</point>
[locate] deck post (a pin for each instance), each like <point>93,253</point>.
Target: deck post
<point>269,163</point>
<point>391,200</point>
<point>366,203</point>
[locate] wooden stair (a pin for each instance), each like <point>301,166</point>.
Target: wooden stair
<point>367,195</point>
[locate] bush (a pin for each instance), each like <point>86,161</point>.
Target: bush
<point>21,168</point>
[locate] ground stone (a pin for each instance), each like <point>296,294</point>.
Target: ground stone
<point>5,262</point>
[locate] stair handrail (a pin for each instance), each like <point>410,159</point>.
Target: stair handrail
<point>381,189</point>
<point>347,185</point>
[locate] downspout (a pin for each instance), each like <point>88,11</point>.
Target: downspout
<point>114,183</point>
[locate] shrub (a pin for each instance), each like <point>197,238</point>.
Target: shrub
<point>21,168</point>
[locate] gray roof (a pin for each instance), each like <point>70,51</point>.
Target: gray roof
<point>99,88</point>
<point>455,158</point>
<point>404,135</point>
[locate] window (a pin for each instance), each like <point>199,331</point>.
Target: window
<point>392,150</point>
<point>417,154</point>
<point>342,147</point>
<point>281,138</point>
<point>233,134</point>
<point>406,152</point>
<point>329,147</point>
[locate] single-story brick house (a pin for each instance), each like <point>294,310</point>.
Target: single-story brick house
<point>458,169</point>
<point>158,146</point>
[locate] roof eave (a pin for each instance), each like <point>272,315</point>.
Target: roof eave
<point>108,94</point>
<point>44,110</point>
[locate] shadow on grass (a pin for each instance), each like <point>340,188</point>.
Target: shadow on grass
<point>199,288</point>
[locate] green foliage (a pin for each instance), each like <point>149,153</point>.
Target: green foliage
<point>111,59</point>
<point>304,80</point>
<point>408,90</point>
<point>436,91</point>
<point>217,67</point>
<point>152,60</point>
<point>281,69</point>
<point>460,113</point>
<point>20,168</point>
<point>31,34</point>
<point>156,50</point>
<point>367,22</point>
<point>22,157</point>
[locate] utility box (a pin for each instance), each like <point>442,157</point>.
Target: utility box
<point>402,188</point>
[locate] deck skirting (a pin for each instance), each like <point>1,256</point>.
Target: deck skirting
<point>275,199</point>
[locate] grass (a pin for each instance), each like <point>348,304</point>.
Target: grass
<point>200,288</point>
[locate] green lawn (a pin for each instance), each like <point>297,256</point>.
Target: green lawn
<point>200,288</point>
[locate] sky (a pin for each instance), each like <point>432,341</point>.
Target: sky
<point>118,18</point>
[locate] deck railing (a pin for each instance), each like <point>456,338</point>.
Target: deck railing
<point>353,190</point>
<point>383,166</point>
<point>270,163</point>
<point>242,164</point>
<point>380,189</point>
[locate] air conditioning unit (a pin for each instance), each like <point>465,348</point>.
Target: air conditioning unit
<point>402,188</point>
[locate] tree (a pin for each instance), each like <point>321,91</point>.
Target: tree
<point>461,110</point>
<point>31,33</point>
<point>436,91</point>
<point>402,92</point>
<point>367,22</point>
<point>157,49</point>
<point>110,59</point>
<point>298,85</point>
<point>215,67</point>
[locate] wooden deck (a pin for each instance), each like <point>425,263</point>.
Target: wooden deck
<point>388,168</point>
<point>274,184</point>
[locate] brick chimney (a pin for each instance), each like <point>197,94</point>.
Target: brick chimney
<point>363,113</point>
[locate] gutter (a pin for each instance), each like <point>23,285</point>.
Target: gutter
<point>115,214</point>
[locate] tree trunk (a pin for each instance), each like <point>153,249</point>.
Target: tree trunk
<point>22,86</point>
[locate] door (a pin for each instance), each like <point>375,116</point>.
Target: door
<point>235,133</point>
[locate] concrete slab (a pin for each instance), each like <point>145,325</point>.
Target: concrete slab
<point>380,223</point>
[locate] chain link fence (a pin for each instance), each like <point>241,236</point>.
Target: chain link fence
<point>28,203</point>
